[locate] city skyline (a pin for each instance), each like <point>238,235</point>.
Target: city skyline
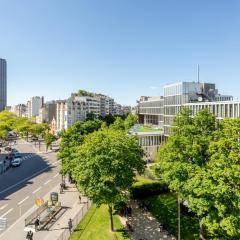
<point>123,49</point>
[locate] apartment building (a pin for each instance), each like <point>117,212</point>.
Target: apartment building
<point>19,110</point>
<point>34,105</point>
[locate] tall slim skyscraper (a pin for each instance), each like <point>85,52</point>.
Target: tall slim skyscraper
<point>3,84</point>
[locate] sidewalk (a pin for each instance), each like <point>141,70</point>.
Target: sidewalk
<point>145,226</point>
<point>69,199</point>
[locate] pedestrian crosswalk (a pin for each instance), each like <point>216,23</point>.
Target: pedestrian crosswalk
<point>30,155</point>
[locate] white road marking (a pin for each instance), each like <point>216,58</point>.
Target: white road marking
<point>23,200</point>
<point>55,175</point>
<point>25,179</point>
<point>47,181</point>
<point>1,208</point>
<point>36,190</point>
<point>6,213</point>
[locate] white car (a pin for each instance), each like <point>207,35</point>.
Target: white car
<point>16,162</point>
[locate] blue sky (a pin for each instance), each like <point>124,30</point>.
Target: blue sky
<point>122,48</point>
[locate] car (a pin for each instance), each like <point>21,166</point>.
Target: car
<point>17,155</point>
<point>16,162</point>
<point>15,150</point>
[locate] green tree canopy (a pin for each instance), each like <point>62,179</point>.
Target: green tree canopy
<point>130,121</point>
<point>105,166</point>
<point>73,137</point>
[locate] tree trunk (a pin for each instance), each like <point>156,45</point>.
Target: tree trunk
<point>110,218</point>
<point>39,145</point>
<point>201,232</point>
<point>179,217</point>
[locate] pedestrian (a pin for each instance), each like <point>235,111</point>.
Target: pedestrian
<point>70,225</point>
<point>80,199</point>
<point>37,223</point>
<point>29,235</point>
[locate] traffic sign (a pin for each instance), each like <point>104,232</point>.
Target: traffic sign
<point>3,223</point>
<point>39,201</point>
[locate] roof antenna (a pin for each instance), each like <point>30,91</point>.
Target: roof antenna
<point>198,71</point>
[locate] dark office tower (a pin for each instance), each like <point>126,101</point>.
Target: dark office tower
<point>3,84</point>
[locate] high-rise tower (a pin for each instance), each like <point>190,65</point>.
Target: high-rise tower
<point>3,84</point>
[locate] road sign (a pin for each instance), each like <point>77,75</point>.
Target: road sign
<point>3,223</point>
<point>39,201</point>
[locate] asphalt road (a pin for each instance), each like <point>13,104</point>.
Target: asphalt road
<point>20,186</point>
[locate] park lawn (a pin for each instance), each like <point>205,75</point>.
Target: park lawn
<point>164,208</point>
<point>95,226</point>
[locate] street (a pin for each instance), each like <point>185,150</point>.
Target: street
<point>20,186</point>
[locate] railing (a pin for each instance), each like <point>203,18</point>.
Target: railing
<point>75,221</point>
<point>35,214</point>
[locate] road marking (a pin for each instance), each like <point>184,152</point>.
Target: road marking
<point>36,190</point>
<point>25,179</point>
<point>6,213</point>
<point>47,181</point>
<point>55,175</point>
<point>1,208</point>
<point>23,200</point>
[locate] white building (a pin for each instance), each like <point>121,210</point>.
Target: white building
<point>19,110</point>
<point>34,105</point>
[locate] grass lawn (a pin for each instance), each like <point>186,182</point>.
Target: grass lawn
<point>95,226</point>
<point>164,208</point>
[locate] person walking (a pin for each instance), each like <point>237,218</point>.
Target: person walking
<point>80,199</point>
<point>70,225</point>
<point>29,235</point>
<point>36,224</point>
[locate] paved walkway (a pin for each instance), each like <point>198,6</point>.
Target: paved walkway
<point>145,226</point>
<point>69,199</point>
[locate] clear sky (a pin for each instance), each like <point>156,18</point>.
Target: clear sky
<point>122,48</point>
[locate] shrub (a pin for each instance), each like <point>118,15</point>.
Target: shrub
<point>143,189</point>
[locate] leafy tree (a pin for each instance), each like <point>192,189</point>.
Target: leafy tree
<point>85,93</point>
<point>105,166</point>
<point>130,121</point>
<point>73,137</point>
<point>118,124</point>
<point>183,158</point>
<point>38,131</point>
<point>23,127</point>
<point>49,139</point>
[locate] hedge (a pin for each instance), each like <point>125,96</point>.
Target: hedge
<point>147,189</point>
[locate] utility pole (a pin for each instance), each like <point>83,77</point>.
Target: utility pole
<point>179,218</point>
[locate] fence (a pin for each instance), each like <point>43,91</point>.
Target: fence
<point>75,221</point>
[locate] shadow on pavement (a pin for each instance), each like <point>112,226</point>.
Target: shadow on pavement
<point>19,177</point>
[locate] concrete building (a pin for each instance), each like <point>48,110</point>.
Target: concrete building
<point>19,110</point>
<point>160,111</point>
<point>60,115</point>
<point>3,84</point>
<point>34,105</point>
<point>47,112</point>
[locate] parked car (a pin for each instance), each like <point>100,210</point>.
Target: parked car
<point>16,162</point>
<point>14,150</point>
<point>17,155</point>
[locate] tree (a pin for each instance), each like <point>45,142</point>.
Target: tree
<point>49,139</point>
<point>73,137</point>
<point>105,166</point>
<point>183,158</point>
<point>221,183</point>
<point>118,124</point>
<point>130,121</point>
<point>23,127</point>
<point>38,130</point>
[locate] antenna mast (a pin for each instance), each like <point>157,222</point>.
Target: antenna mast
<point>198,71</point>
